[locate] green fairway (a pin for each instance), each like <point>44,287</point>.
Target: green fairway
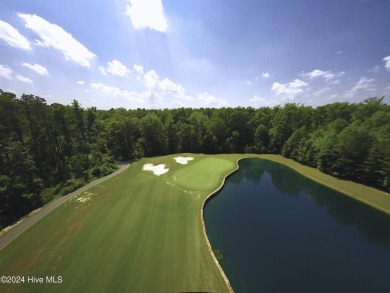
<point>136,232</point>
<point>204,173</point>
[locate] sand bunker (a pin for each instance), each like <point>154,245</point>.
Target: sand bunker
<point>183,160</point>
<point>156,169</point>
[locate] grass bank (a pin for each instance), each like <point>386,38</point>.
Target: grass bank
<point>373,197</point>
<point>139,232</point>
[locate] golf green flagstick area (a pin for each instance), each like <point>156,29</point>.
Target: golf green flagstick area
<point>137,232</point>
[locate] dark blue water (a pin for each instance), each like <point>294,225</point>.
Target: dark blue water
<point>281,232</point>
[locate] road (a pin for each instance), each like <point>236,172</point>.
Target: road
<point>9,236</point>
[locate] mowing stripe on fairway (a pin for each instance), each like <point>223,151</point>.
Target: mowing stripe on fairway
<point>137,233</point>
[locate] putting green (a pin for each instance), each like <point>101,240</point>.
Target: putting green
<point>137,232</point>
<point>205,173</point>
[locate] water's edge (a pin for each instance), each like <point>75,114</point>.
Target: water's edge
<point>210,196</point>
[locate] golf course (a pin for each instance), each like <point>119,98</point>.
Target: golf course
<point>140,231</point>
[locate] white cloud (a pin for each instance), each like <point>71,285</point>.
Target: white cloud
<point>211,101</point>
<point>387,62</point>
<point>265,75</point>
<point>328,75</point>
<point>157,92</point>
<point>258,101</point>
<point>12,37</point>
<point>81,82</point>
<point>322,91</point>
<point>319,73</point>
<point>56,37</point>
<point>115,67</point>
<point>116,92</point>
<point>147,14</point>
<point>151,79</point>
<point>37,68</point>
<point>5,71</point>
<point>290,89</point>
<point>139,69</point>
<point>23,79</point>
<point>363,87</point>
<point>168,85</point>
<point>248,82</point>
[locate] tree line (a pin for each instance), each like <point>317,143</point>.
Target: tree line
<point>50,150</point>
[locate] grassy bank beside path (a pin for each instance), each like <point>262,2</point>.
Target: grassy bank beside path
<point>373,197</point>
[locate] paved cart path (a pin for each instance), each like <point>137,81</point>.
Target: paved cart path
<point>9,236</point>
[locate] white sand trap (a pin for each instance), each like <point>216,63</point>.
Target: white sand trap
<point>183,160</point>
<point>156,169</point>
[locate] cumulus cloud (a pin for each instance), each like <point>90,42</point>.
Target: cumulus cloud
<point>37,68</point>
<point>23,79</point>
<point>157,92</point>
<point>5,71</point>
<point>209,100</point>
<point>12,37</point>
<point>81,82</point>
<point>265,75</point>
<point>147,14</point>
<point>115,67</point>
<point>363,87</point>
<point>152,81</point>
<point>117,92</point>
<point>138,69</point>
<point>258,101</point>
<point>328,75</point>
<point>54,36</point>
<point>290,89</point>
<point>387,62</point>
<point>168,85</point>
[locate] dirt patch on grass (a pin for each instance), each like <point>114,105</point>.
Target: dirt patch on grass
<point>85,196</point>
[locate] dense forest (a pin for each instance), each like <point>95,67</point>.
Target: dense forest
<point>50,150</point>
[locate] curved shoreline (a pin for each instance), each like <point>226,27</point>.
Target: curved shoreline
<point>315,177</point>
<point>212,194</point>
<point>377,199</point>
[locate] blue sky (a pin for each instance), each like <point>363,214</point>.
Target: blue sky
<point>203,53</point>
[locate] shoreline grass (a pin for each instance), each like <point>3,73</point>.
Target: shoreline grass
<point>375,198</point>
<point>142,232</point>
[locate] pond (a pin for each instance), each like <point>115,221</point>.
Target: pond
<point>278,231</point>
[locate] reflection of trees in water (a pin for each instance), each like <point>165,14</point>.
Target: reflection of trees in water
<point>250,169</point>
<point>373,224</point>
